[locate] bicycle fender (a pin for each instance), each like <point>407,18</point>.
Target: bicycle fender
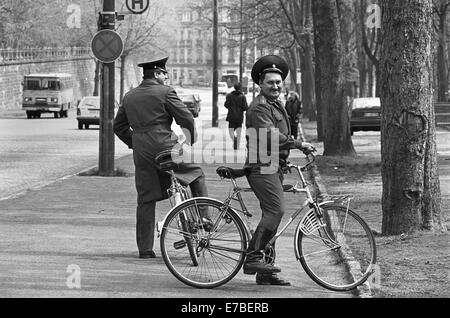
<point>297,231</point>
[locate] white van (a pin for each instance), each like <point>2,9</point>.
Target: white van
<point>47,93</point>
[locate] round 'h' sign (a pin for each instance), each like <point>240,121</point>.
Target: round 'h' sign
<point>138,6</point>
<point>107,46</point>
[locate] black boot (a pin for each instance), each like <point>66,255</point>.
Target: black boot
<point>271,279</point>
<point>254,263</point>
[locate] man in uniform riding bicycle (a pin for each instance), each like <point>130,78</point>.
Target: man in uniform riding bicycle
<point>143,122</point>
<point>268,122</point>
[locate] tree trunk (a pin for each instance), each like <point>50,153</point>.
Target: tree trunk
<point>411,194</point>
<point>307,66</point>
<point>330,80</point>
<point>122,77</point>
<point>362,58</point>
<point>291,59</point>
<point>442,68</point>
<point>96,79</point>
<point>308,87</point>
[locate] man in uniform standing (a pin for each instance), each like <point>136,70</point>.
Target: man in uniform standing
<point>143,122</point>
<point>268,121</point>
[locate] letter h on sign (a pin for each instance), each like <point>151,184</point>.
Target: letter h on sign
<point>138,6</point>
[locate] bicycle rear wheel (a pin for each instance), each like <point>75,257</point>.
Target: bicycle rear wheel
<point>339,256</point>
<point>220,251</point>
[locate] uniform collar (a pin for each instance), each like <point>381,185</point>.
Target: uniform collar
<point>150,81</point>
<point>275,102</point>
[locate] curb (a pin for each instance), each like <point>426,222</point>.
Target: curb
<point>363,291</point>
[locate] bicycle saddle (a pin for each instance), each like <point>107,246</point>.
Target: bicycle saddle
<point>165,159</point>
<point>230,173</point>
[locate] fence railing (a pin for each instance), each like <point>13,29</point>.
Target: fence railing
<point>29,55</point>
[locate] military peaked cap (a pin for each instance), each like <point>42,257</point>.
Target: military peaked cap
<point>269,64</point>
<point>159,65</point>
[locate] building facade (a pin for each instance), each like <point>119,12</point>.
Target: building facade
<point>191,54</point>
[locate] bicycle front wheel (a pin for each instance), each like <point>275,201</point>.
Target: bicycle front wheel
<point>339,256</point>
<point>220,249</point>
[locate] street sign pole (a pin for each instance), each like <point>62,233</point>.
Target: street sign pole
<point>107,97</point>
<point>215,110</point>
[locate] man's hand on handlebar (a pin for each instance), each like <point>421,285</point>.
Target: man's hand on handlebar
<point>307,148</point>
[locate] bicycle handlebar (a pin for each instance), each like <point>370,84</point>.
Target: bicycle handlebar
<point>304,167</point>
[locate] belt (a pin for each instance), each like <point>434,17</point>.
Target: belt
<point>144,130</point>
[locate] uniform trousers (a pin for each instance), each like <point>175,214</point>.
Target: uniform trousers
<point>268,188</point>
<point>145,216</point>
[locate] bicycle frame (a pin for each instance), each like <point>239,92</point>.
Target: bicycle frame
<point>309,203</point>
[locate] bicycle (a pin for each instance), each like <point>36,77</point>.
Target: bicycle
<point>334,245</point>
<point>177,194</point>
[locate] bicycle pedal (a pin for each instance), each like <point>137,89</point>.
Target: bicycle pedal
<point>179,245</point>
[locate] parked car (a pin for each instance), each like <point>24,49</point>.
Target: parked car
<point>366,115</point>
<point>223,88</point>
<point>88,111</point>
<point>192,102</point>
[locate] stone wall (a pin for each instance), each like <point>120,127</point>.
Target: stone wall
<point>78,61</point>
<point>11,78</point>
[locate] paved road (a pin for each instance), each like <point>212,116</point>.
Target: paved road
<point>36,152</point>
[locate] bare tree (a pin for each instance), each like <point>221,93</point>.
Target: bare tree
<point>411,191</point>
<point>332,104</point>
<point>140,33</point>
<point>371,44</point>
<point>440,9</point>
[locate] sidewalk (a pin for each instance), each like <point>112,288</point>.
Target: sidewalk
<point>86,225</point>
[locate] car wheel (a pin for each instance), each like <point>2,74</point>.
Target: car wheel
<point>80,125</point>
<point>86,126</point>
<point>29,115</point>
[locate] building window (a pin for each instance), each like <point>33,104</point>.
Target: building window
<point>231,59</point>
<point>187,16</point>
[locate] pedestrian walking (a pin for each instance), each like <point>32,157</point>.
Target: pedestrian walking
<point>143,122</point>
<point>267,116</point>
<point>294,110</point>
<point>236,103</point>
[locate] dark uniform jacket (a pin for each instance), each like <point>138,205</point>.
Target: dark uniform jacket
<point>263,116</point>
<point>143,122</point>
<point>236,103</point>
